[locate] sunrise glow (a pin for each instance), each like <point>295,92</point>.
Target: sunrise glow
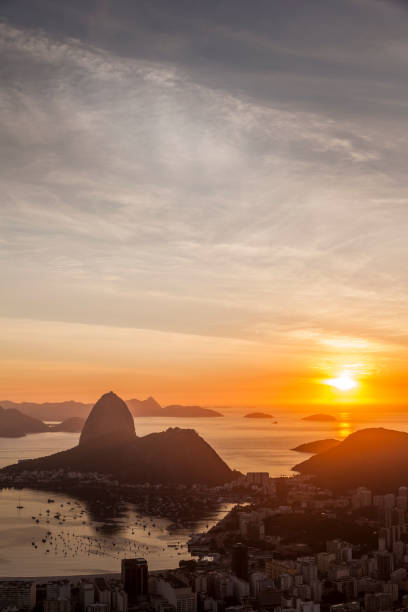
<point>343,382</point>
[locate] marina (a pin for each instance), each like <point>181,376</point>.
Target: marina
<point>63,536</point>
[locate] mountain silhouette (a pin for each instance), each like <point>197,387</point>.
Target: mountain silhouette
<point>374,457</point>
<point>109,445</point>
<point>15,424</point>
<point>146,407</point>
<point>150,407</point>
<point>110,418</point>
<point>50,411</point>
<point>176,410</point>
<point>317,446</point>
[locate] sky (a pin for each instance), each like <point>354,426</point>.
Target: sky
<point>204,201</point>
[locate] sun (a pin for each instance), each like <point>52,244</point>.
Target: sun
<point>343,382</point>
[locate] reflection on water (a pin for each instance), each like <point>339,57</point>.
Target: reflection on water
<point>344,430</point>
<point>68,536</point>
<point>245,444</point>
<point>88,537</point>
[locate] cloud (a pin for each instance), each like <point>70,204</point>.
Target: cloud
<point>239,198</point>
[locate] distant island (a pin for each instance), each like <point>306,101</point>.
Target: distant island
<point>319,417</point>
<point>109,445</point>
<point>189,411</point>
<point>318,446</point>
<point>258,415</point>
<point>15,424</point>
<point>374,457</point>
<point>151,408</point>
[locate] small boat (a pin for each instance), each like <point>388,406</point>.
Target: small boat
<point>19,506</point>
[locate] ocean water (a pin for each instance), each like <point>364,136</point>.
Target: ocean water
<point>34,542</point>
<point>245,444</point>
<point>82,544</point>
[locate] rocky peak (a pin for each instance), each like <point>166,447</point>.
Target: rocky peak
<point>109,419</point>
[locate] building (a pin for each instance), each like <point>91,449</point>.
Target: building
<point>385,565</point>
<point>97,607</point>
<point>261,479</point>
<point>57,605</point>
<point>60,589</point>
<point>274,567</point>
<point>241,588</point>
<point>220,585</point>
<point>119,600</point>
<point>135,576</point>
<point>176,593</point>
<point>239,561</point>
<point>17,594</point>
<point>102,592</point>
<point>86,594</point>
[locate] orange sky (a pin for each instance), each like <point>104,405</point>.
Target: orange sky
<point>45,361</point>
<point>207,206</point>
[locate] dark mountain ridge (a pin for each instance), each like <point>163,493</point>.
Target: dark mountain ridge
<point>146,407</point>
<point>149,407</point>
<point>317,446</point>
<point>109,445</point>
<point>175,410</point>
<point>15,424</point>
<point>374,457</point>
<point>51,411</point>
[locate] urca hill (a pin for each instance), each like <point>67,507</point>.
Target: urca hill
<point>109,445</point>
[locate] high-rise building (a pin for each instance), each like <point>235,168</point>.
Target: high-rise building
<point>97,607</point>
<point>57,605</point>
<point>176,593</point>
<point>119,600</point>
<point>86,594</point>
<point>239,561</point>
<point>385,565</point>
<point>135,576</point>
<point>102,592</point>
<point>17,594</point>
<point>58,589</point>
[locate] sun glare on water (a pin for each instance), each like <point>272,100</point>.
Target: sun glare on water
<point>343,382</point>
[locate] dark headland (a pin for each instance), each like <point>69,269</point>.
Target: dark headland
<point>15,424</point>
<point>50,411</point>
<point>375,457</point>
<point>109,445</point>
<point>317,446</point>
